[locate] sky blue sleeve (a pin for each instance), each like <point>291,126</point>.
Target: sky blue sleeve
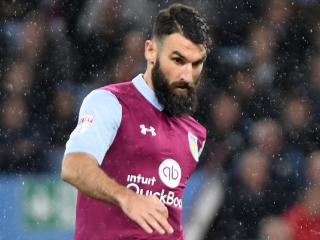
<point>99,119</point>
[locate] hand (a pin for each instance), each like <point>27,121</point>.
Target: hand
<point>147,211</point>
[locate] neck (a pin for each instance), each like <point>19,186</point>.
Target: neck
<point>148,77</point>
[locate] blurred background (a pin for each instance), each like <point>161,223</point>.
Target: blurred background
<point>259,174</point>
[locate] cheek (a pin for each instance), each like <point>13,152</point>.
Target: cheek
<point>170,71</point>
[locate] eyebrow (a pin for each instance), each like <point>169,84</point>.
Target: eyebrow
<point>184,58</point>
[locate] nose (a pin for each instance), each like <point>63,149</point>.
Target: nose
<point>186,74</point>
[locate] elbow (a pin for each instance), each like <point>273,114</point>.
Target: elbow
<point>67,173</point>
<point>75,167</point>
<point>64,175</point>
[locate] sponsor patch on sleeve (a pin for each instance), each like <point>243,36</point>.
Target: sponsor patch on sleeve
<point>84,123</point>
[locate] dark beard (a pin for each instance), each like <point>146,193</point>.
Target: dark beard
<point>174,104</point>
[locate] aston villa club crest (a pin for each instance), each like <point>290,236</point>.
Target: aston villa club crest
<point>193,145</point>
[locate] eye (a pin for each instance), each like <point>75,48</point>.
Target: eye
<point>197,64</point>
<point>178,61</point>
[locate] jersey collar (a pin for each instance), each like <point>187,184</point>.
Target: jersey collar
<point>146,91</point>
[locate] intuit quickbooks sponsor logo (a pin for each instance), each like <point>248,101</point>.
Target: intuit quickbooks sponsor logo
<point>168,198</point>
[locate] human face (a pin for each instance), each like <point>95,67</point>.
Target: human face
<point>176,73</point>
<point>181,61</point>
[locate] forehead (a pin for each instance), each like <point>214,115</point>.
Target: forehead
<point>178,43</point>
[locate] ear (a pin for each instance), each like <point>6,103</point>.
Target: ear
<point>150,51</point>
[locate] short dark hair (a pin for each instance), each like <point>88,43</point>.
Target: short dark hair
<point>183,19</point>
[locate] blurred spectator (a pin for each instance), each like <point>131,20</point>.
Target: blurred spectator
<point>224,132</point>
<point>33,38</point>
<point>100,37</point>
<point>243,85</point>
<point>261,45</point>
<point>274,228</point>
<point>63,117</point>
<point>247,201</point>
<point>19,78</point>
<point>20,148</point>
<point>131,60</point>
<point>266,135</point>
<point>286,163</point>
<point>298,123</point>
<point>291,40</point>
<point>257,102</point>
<point>279,13</point>
<point>304,217</point>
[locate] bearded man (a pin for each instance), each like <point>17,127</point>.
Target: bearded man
<point>136,143</point>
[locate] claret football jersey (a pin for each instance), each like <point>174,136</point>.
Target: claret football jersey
<point>141,147</point>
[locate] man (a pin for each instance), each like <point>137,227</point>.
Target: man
<point>135,145</point>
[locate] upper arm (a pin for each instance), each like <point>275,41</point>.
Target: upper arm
<point>99,119</point>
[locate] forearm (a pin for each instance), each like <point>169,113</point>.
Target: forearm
<point>81,170</point>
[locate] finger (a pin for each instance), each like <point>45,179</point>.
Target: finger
<point>152,221</point>
<point>144,225</point>
<point>164,223</point>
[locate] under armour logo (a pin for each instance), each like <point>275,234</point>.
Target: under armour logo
<point>151,130</point>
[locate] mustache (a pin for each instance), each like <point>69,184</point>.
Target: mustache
<point>183,84</point>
